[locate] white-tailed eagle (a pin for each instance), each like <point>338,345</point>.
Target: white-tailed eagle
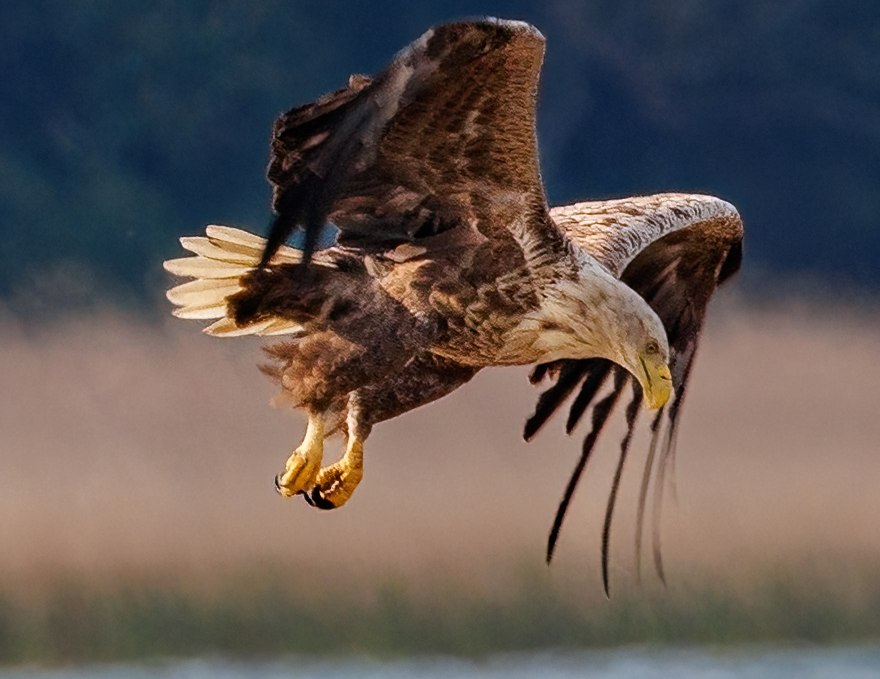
<point>448,260</point>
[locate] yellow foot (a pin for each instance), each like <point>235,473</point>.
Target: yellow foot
<point>336,483</point>
<point>301,470</point>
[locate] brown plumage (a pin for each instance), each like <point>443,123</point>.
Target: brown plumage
<point>449,260</point>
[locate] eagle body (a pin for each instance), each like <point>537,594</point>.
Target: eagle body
<point>449,260</point>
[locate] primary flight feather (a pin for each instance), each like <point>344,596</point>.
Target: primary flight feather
<point>448,260</point>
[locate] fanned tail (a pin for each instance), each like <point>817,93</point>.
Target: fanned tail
<point>221,258</point>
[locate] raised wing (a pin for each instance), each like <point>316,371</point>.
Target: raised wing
<point>443,138</point>
<point>674,250</point>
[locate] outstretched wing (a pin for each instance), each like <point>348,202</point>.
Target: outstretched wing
<point>674,250</point>
<point>443,138</point>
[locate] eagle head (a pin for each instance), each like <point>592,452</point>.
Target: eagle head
<point>629,332</point>
<point>598,316</point>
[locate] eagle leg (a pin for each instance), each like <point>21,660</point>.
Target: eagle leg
<point>301,470</point>
<point>336,482</point>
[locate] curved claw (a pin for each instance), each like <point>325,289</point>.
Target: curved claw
<point>316,498</point>
<point>333,485</point>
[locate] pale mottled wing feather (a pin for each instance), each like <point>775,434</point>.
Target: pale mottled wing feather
<point>616,231</point>
<point>444,137</point>
<point>674,250</point>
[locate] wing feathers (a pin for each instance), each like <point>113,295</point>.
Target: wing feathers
<point>444,136</point>
<point>674,250</point>
<point>549,401</point>
<point>595,379</point>
<point>632,412</point>
<point>616,231</point>
<point>601,412</point>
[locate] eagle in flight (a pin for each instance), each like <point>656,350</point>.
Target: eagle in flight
<point>448,259</point>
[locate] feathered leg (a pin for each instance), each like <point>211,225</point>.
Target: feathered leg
<point>339,350</point>
<point>336,483</point>
<point>424,379</point>
<point>301,470</point>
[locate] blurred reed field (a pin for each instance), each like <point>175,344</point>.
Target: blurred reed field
<point>138,518</point>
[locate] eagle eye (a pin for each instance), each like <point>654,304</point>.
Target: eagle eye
<point>652,348</point>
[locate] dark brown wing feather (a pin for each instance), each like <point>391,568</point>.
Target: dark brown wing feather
<point>676,270</point>
<point>443,137</point>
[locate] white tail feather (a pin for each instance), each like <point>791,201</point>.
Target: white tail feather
<point>201,267</point>
<point>202,291</point>
<point>226,327</point>
<point>212,250</point>
<point>221,258</point>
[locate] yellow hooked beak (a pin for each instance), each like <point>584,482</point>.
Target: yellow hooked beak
<point>656,382</point>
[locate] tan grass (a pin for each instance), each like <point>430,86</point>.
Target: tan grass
<point>131,448</point>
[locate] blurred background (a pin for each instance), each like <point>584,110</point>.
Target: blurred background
<point>137,516</point>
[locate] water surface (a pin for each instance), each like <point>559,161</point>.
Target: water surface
<point>619,663</point>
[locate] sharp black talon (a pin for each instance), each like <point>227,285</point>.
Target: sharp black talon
<point>307,498</point>
<point>278,484</point>
<point>317,500</point>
